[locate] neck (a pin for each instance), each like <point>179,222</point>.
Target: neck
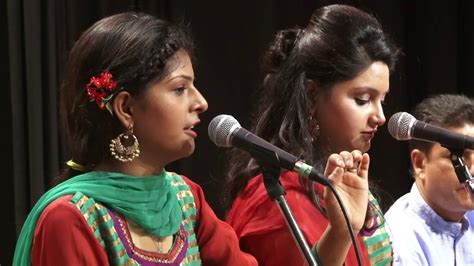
<point>134,168</point>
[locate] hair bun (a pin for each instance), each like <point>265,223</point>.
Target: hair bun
<point>280,49</point>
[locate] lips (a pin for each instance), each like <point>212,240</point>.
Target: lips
<point>190,129</point>
<point>369,134</point>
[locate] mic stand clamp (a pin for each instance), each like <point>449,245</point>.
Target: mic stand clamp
<point>275,190</point>
<point>461,169</point>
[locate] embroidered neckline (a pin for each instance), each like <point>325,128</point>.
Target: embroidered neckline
<point>170,257</point>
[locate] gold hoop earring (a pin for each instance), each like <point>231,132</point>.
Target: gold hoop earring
<point>125,146</point>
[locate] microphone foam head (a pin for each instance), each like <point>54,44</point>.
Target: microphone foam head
<point>221,128</point>
<point>399,125</point>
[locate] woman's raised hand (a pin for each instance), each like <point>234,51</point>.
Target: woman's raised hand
<point>348,172</point>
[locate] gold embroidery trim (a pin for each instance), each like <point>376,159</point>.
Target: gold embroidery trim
<point>190,219</point>
<point>177,183</point>
<point>380,258</point>
<point>192,244</point>
<point>187,206</point>
<point>153,259</point>
<point>102,233</point>
<point>81,201</point>
<point>378,245</point>
<point>184,193</point>
<point>191,258</point>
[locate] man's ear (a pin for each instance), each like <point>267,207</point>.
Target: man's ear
<point>122,104</point>
<point>418,161</point>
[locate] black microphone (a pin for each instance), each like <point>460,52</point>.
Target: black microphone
<point>403,126</point>
<point>225,131</point>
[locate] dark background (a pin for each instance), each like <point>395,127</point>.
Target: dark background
<point>436,39</point>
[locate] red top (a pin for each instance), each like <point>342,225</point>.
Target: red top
<point>262,229</point>
<point>63,237</point>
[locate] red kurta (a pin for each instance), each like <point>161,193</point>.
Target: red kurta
<point>63,237</point>
<point>262,229</point>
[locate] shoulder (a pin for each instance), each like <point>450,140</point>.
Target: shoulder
<point>255,195</point>
<point>192,185</point>
<point>253,212</point>
<point>406,232</point>
<point>399,209</point>
<point>255,189</point>
<point>64,213</point>
<point>401,220</point>
<point>59,211</point>
<point>62,236</point>
<point>188,184</point>
<point>59,220</point>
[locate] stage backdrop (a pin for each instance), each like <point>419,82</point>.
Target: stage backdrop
<point>437,43</point>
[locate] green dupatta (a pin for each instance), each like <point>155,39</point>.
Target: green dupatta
<point>149,201</point>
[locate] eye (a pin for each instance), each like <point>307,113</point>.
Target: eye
<point>360,101</point>
<point>180,90</point>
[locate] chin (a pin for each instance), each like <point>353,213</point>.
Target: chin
<point>189,153</point>
<point>363,147</point>
<point>366,149</point>
<point>188,149</point>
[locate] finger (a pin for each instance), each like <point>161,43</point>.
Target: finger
<point>364,166</point>
<point>336,175</point>
<point>334,161</point>
<point>356,158</point>
<point>348,160</point>
<point>351,170</point>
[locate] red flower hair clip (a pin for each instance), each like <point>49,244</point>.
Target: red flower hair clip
<point>102,89</point>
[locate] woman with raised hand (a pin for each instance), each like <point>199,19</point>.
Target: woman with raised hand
<point>322,99</point>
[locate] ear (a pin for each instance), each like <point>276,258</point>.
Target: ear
<point>418,160</point>
<point>311,89</point>
<point>122,104</point>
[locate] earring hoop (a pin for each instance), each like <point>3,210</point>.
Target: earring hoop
<point>125,147</point>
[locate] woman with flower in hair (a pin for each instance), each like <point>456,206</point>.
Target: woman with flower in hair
<point>322,97</point>
<point>129,106</point>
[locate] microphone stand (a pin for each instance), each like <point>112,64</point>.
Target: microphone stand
<point>275,191</point>
<point>461,169</point>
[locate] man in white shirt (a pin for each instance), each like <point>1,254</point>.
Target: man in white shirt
<point>434,223</point>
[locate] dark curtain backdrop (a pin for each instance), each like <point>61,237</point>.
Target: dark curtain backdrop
<point>437,41</point>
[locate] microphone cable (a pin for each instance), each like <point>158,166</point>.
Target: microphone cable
<point>348,222</point>
<point>221,130</point>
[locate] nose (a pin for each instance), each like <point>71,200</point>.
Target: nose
<point>200,104</point>
<point>378,116</point>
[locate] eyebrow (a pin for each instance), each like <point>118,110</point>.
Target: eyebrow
<point>181,76</point>
<point>372,90</point>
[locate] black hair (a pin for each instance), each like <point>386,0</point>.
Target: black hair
<point>136,49</point>
<point>443,110</point>
<point>338,43</point>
